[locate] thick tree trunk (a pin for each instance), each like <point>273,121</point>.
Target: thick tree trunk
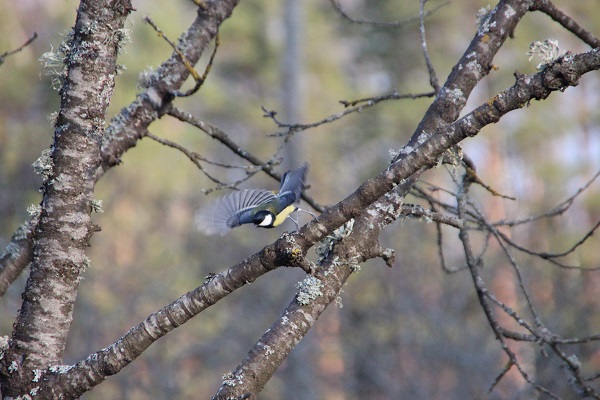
<point>64,229</point>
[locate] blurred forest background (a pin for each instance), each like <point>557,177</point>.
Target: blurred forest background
<point>414,331</point>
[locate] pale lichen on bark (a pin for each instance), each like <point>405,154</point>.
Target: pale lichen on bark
<point>61,236</point>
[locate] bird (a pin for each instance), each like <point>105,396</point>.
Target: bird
<point>260,207</point>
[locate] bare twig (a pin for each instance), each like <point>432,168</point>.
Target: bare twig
<point>364,104</point>
<point>188,65</point>
<point>482,291</point>
<point>337,7</point>
<point>552,257</point>
<point>557,210</point>
<point>476,179</point>
<point>507,367</point>
<point>218,134</point>
<point>433,80</point>
<point>391,96</point>
<point>197,158</point>
<point>21,47</point>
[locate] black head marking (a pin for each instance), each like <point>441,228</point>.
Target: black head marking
<point>264,218</point>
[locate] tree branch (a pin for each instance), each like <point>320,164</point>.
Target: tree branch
<point>224,138</point>
<point>16,256</point>
<point>340,254</point>
<point>131,123</point>
<point>475,63</point>
<point>72,381</point>
<point>62,235</point>
<point>482,291</point>
<point>20,48</point>
<point>548,8</point>
<point>356,106</point>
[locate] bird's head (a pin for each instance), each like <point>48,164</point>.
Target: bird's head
<point>264,218</point>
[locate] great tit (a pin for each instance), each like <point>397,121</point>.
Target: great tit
<point>257,206</point>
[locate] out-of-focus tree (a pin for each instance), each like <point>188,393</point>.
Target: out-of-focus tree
<point>487,202</point>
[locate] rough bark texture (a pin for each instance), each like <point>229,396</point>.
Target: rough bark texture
<point>290,249</point>
<point>81,153</point>
<point>130,124</point>
<point>16,256</point>
<point>64,228</point>
<point>475,63</point>
<point>341,253</point>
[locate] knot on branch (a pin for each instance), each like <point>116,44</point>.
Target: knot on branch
<point>388,255</point>
<point>288,252</point>
<point>561,74</point>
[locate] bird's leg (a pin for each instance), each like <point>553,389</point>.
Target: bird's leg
<point>295,222</point>
<point>308,212</point>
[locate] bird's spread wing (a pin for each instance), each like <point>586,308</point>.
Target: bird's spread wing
<point>292,185</point>
<point>233,209</point>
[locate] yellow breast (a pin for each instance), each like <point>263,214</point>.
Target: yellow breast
<point>283,215</point>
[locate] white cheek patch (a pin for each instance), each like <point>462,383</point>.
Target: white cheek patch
<point>267,221</point>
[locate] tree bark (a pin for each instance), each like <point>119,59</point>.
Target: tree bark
<point>64,229</point>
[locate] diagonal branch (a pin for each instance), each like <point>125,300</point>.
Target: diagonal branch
<point>291,246</point>
<point>340,254</point>
<point>75,380</point>
<point>16,256</point>
<point>20,48</point>
<point>224,138</point>
<point>131,124</point>
<point>548,8</point>
<point>475,64</point>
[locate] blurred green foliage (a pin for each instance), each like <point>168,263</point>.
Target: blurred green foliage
<point>410,332</point>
